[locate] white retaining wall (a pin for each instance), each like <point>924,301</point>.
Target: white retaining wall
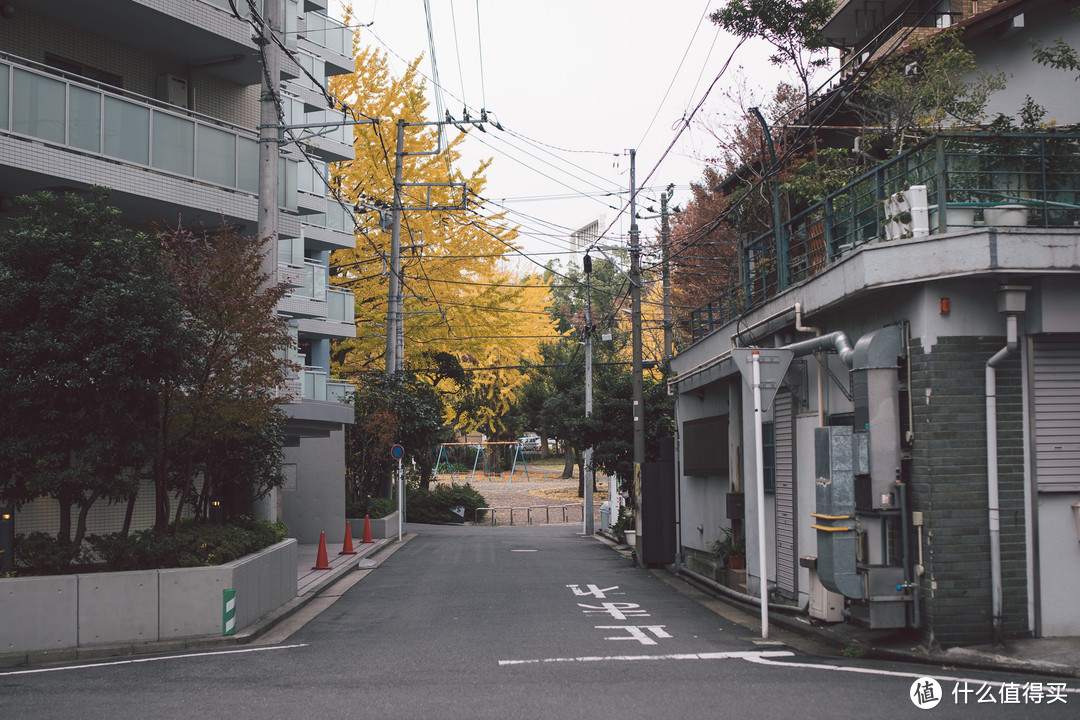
<point>66,611</point>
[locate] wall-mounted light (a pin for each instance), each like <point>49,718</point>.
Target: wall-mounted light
<point>946,306</point>
<point>1076,518</point>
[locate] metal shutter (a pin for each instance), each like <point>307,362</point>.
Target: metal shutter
<point>785,495</point>
<point>1057,413</point>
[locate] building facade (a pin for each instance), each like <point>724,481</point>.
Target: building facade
<point>920,419</point>
<point>159,100</point>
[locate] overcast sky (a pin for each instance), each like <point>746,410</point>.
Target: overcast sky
<point>575,84</point>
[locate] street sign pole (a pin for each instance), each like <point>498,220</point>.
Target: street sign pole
<point>398,452</point>
<point>762,368</point>
<point>759,456</point>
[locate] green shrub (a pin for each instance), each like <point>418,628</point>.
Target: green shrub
<point>42,554</point>
<point>375,508</point>
<point>433,506</point>
<point>197,544</point>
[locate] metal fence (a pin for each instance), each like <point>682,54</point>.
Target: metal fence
<point>972,180</point>
<point>566,510</point>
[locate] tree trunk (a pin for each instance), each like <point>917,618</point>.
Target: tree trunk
<point>568,467</point>
<point>581,476</point>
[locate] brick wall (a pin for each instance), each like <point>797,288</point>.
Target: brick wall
<point>948,484</point>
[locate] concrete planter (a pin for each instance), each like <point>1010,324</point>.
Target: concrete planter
<point>381,528</point>
<point>68,611</point>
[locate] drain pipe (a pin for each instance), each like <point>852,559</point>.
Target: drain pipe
<point>1011,303</point>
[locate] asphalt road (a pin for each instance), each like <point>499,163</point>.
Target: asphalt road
<point>513,622</point>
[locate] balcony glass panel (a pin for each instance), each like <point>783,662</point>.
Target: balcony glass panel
<point>322,280</point>
<point>4,82</point>
<point>216,156</point>
<point>338,391</point>
<point>84,119</point>
<point>38,104</point>
<point>174,144</point>
<point>127,131</point>
<point>287,176</point>
<point>339,306</point>
<point>247,153</point>
<point>337,217</point>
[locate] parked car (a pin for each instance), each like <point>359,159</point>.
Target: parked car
<point>530,443</point>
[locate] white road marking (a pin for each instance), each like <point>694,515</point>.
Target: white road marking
<point>638,658</point>
<point>763,659</point>
<point>134,661</point>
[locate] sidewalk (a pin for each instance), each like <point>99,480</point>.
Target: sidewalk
<point>1058,657</point>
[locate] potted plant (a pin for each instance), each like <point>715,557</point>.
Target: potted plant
<point>730,549</point>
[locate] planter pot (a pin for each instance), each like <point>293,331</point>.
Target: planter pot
<point>955,217</point>
<point>735,562</point>
<point>631,538</point>
<point>1006,216</point>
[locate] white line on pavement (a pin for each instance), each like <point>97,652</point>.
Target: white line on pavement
<point>762,659</point>
<point>148,660</point>
<point>637,658</point>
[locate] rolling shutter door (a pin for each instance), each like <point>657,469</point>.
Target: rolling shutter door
<point>1057,413</point>
<point>785,495</point>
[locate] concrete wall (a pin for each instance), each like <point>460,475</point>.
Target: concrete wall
<point>66,611</point>
<point>1059,564</point>
<point>315,501</point>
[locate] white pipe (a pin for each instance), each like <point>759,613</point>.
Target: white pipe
<point>992,496</point>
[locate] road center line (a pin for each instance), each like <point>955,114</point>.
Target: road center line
<point>134,661</point>
<point>638,658</point>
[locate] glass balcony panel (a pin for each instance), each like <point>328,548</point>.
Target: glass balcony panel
<point>216,156</point>
<point>308,289</point>
<point>287,176</point>
<point>322,281</point>
<point>127,131</point>
<point>174,144</point>
<point>39,106</point>
<point>247,163</point>
<point>84,119</point>
<point>337,391</point>
<point>4,84</point>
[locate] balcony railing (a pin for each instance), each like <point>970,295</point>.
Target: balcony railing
<point>1030,180</point>
<point>136,130</point>
<point>316,385</point>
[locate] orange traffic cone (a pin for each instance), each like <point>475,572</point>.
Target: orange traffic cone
<point>367,530</point>
<point>346,547</point>
<point>321,563</point>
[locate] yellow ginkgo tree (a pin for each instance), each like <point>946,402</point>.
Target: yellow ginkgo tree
<point>459,295</point>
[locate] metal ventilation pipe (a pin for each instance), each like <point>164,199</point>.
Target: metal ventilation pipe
<point>837,340</point>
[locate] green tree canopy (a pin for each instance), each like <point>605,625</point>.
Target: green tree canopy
<point>89,329</point>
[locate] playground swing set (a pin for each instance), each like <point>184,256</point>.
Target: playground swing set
<point>481,453</point>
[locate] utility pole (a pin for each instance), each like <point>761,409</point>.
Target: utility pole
<point>393,299</point>
<point>666,269</point>
<point>269,136</point>
<point>639,393</point>
<point>395,315</point>
<point>589,474</point>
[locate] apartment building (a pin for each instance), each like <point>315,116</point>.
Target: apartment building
<point>159,100</point>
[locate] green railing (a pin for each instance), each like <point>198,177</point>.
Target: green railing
<point>1030,180</point>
